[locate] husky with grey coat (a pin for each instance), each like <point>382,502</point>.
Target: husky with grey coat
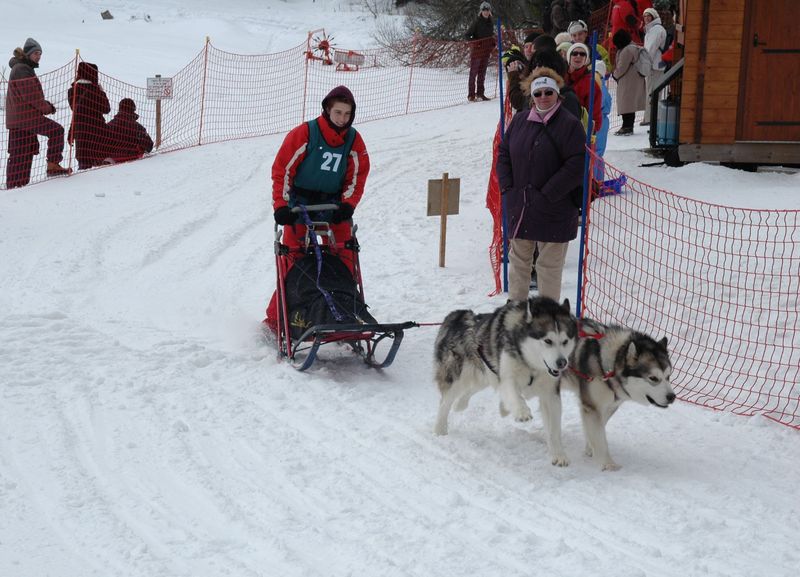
<point>611,365</point>
<point>521,349</point>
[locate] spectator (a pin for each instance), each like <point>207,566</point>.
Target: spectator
<point>562,12</point>
<point>562,49</point>
<point>631,95</point>
<point>562,37</point>
<point>481,33</point>
<point>665,12</point>
<point>602,133</point>
<point>26,111</point>
<point>89,104</point>
<point>625,16</point>
<point>539,164</point>
<point>655,39</point>
<point>579,32</point>
<point>304,174</point>
<point>579,77</point>
<point>549,58</point>
<point>129,139</point>
<point>516,95</point>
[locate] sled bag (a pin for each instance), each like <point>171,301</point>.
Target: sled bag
<point>306,304</point>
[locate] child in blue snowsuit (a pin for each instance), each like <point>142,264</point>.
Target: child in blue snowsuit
<point>601,136</point>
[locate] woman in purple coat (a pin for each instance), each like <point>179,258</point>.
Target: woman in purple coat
<point>539,164</point>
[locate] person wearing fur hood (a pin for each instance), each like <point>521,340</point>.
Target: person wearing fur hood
<point>539,165</point>
<point>26,118</point>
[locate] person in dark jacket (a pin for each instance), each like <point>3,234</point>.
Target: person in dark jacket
<point>481,33</point>
<point>89,104</point>
<point>26,112</point>
<point>539,164</point>
<point>129,139</point>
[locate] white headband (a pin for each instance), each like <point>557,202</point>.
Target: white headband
<point>544,82</point>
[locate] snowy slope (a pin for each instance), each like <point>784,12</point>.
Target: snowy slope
<point>146,430</point>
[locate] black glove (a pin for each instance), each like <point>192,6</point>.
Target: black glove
<point>52,108</point>
<point>284,215</point>
<point>344,212</point>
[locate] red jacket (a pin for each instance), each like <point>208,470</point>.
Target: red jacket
<point>293,151</point>
<point>623,17</point>
<point>580,81</point>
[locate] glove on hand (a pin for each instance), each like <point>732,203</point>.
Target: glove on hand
<point>52,108</point>
<point>285,216</point>
<point>344,212</point>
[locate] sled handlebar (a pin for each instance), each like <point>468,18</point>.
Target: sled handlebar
<point>316,208</point>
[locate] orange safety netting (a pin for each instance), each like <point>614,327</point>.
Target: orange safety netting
<point>721,283</point>
<point>222,96</point>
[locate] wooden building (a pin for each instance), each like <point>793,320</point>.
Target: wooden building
<point>740,87</point>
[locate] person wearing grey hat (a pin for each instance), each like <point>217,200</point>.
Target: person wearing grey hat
<point>26,118</point>
<point>481,34</point>
<point>31,46</point>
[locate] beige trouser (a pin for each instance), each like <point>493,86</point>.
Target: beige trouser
<point>549,268</point>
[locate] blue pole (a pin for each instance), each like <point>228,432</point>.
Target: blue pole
<point>502,135</point>
<point>586,181</point>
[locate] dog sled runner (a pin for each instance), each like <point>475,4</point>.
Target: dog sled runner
<point>320,296</point>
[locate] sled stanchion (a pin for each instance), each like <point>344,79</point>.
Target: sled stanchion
<point>443,228</point>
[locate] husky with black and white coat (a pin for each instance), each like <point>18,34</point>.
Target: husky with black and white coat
<point>609,366</point>
<point>521,349</point>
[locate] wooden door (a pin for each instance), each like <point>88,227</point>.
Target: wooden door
<point>769,104</point>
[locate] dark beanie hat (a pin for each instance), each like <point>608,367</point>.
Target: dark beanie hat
<point>531,37</point>
<point>87,71</point>
<point>343,94</point>
<point>550,59</point>
<point>31,46</point>
<point>127,105</point>
<point>621,39</point>
<point>544,42</point>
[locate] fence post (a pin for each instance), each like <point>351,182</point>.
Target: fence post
<point>70,140</point>
<point>411,72</point>
<point>203,92</point>
<point>158,120</point>
<point>586,177</point>
<point>305,79</point>
<point>503,225</point>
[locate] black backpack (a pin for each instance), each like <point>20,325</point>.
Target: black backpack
<point>307,305</point>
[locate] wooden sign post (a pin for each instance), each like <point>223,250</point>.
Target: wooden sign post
<point>157,89</point>
<point>443,197</point>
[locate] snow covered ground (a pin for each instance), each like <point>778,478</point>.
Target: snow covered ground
<point>145,429</point>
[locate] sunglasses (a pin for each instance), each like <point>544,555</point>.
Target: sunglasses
<point>581,54</point>
<point>545,92</point>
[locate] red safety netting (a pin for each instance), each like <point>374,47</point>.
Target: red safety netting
<point>721,283</point>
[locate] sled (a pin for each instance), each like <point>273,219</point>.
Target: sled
<point>298,341</point>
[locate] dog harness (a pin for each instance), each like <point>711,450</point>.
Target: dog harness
<point>596,336</point>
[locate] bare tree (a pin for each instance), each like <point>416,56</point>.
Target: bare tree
<point>449,19</point>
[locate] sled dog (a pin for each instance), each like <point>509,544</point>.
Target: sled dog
<point>521,349</point>
<point>611,365</point>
